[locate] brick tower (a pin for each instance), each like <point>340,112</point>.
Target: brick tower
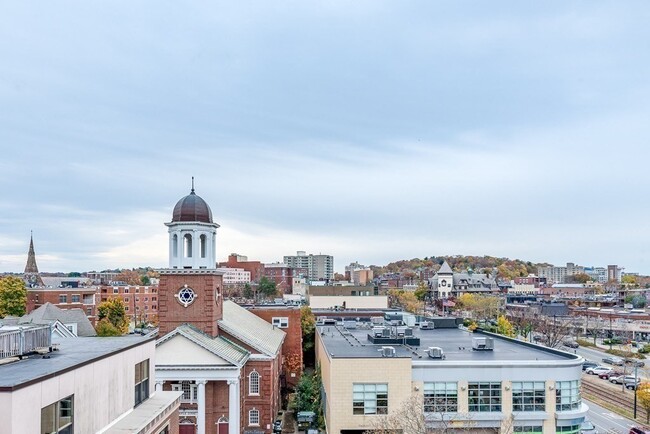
<point>190,289</point>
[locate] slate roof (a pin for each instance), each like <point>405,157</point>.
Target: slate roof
<point>251,329</point>
<point>219,346</point>
<point>49,313</point>
<point>445,269</point>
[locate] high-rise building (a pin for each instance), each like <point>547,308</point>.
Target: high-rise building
<point>559,274</point>
<point>319,267</point>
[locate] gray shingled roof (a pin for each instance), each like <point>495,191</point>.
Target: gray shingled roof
<point>219,346</point>
<point>251,329</point>
<point>49,313</point>
<point>445,269</point>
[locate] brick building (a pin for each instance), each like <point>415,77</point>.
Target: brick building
<point>286,318</point>
<point>226,360</point>
<point>283,275</point>
<point>140,302</point>
<point>64,298</point>
<point>256,268</point>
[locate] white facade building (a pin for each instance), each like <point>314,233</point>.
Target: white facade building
<point>235,275</point>
<point>320,267</point>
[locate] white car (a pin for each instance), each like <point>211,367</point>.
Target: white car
<point>598,370</point>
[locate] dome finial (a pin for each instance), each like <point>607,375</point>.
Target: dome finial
<point>192,184</point>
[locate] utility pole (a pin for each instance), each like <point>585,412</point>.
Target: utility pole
<point>611,336</point>
<point>636,386</point>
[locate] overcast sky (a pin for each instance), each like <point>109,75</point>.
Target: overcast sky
<point>368,130</point>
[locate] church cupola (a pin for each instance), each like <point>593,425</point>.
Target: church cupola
<point>192,234</point>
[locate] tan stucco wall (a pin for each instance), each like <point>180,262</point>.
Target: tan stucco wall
<point>339,375</point>
<point>351,302</point>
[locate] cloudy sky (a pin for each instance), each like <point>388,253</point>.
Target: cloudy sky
<point>368,130</point>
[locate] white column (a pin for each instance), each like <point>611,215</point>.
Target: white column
<point>200,418</point>
<point>233,407</point>
<point>159,386</point>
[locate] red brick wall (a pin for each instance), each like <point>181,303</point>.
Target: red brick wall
<point>268,401</point>
<point>141,302</point>
<point>203,313</point>
<point>37,297</point>
<point>256,268</point>
<point>292,346</point>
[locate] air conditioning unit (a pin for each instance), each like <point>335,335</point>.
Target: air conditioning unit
<point>435,353</point>
<point>388,351</point>
<point>378,332</point>
<point>408,332</point>
<point>483,344</point>
<point>350,324</point>
<point>426,325</point>
<point>386,333</point>
<point>401,331</point>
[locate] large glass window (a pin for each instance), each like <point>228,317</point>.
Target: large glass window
<point>141,381</point>
<point>441,397</point>
<point>189,389</point>
<point>528,396</point>
<point>58,418</point>
<point>570,429</point>
<point>370,399</point>
<point>484,396</point>
<point>567,395</point>
<point>253,417</point>
<point>528,429</point>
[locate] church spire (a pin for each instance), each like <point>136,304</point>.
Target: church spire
<point>32,277</point>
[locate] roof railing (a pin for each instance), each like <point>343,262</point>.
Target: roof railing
<point>23,341</point>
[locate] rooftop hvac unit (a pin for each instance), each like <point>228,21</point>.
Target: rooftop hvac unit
<point>436,353</point>
<point>378,332</point>
<point>401,331</point>
<point>385,333</point>
<point>388,351</point>
<point>350,324</point>
<point>376,320</point>
<point>426,325</point>
<point>483,344</point>
<point>408,332</point>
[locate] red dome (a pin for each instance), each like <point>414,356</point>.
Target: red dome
<point>192,208</point>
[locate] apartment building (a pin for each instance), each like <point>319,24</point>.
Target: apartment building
<point>319,267</point>
<point>140,302</point>
<point>233,276</point>
<point>554,274</point>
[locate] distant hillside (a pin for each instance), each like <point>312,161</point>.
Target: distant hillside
<point>506,268</point>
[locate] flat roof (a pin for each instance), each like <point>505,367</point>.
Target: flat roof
<point>456,344</point>
<point>72,353</point>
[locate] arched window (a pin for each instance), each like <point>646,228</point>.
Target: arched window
<point>254,383</point>
<point>253,417</point>
<point>203,244</point>
<point>187,246</point>
<point>175,245</point>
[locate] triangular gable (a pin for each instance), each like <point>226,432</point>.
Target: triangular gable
<point>180,350</point>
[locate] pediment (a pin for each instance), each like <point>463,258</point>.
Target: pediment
<point>181,351</point>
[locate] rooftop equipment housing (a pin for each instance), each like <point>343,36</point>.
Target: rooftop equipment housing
<point>435,353</point>
<point>483,344</point>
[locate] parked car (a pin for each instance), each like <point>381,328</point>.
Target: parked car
<point>610,360</point>
<point>598,370</point>
<point>586,427</point>
<point>622,379</point>
<point>639,430</point>
<point>588,364</point>
<point>570,344</point>
<point>610,374</point>
<point>632,384</point>
<point>634,362</point>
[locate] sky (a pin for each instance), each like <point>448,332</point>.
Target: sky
<point>372,131</point>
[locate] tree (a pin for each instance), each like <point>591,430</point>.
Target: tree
<point>113,314</point>
<point>481,307</point>
<point>553,329</point>
<point>13,296</point>
<point>504,327</point>
<point>130,277</point>
<point>307,397</point>
<point>405,300</point>
<point>629,279</point>
<point>421,291</point>
<point>267,287</point>
<point>308,326</point>
<point>248,291</point>
<point>578,278</point>
<point>74,274</point>
<point>643,395</point>
<point>637,301</point>
<point>144,280</point>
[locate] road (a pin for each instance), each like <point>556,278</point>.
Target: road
<point>607,421</point>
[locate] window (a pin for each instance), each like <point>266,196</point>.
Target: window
<point>281,322</point>
<point>126,299</point>
<point>190,393</point>
<point>253,417</point>
<point>569,429</point>
<point>567,395</point>
<point>484,396</point>
<point>441,397</point>
<point>528,429</point>
<point>76,298</point>
<point>141,382</point>
<point>58,418</point>
<point>254,383</point>
<point>175,245</point>
<point>63,298</point>
<point>126,290</point>
<point>528,396</point>
<point>116,291</point>
<point>370,399</point>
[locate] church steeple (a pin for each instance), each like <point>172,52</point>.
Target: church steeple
<point>31,276</point>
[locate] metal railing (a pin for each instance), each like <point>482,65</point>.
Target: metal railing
<point>24,341</point>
